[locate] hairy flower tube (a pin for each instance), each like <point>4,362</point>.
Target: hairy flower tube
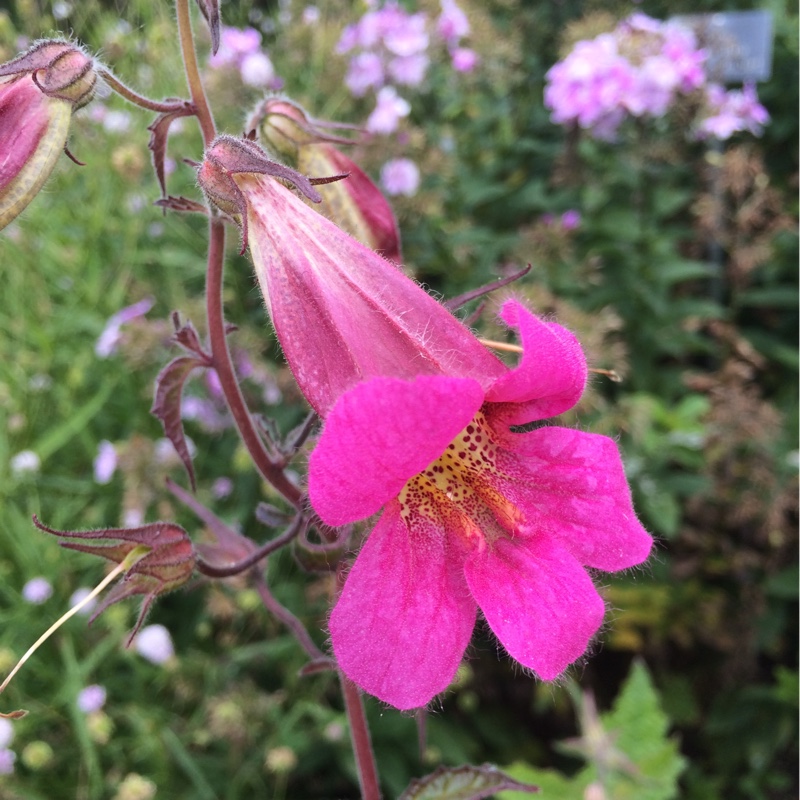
<point>341,312</point>
<point>39,90</point>
<point>355,204</point>
<point>420,423</point>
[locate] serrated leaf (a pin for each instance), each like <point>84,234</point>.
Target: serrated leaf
<point>167,405</point>
<point>463,783</point>
<point>641,727</point>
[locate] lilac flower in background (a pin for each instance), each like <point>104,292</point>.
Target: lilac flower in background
<point>37,591</point>
<point>464,59</point>
<point>409,70</point>
<point>222,488</point>
<point>78,596</point>
<point>406,35</point>
<point>641,69</point>
<point>6,733</point>
<point>234,44</point>
<point>731,112</point>
<point>570,220</point>
<point>154,643</point>
<point>91,699</point>
<point>7,759</point>
<point>256,70</point>
<point>105,462</point>
<point>388,44</point>
<point>116,121</point>
<point>26,462</point>
<point>390,109</point>
<point>205,413</point>
<point>310,15</point>
<point>108,340</point>
<point>365,72</point>
<point>452,24</point>
<point>400,176</point>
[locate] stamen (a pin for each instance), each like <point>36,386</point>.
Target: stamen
<point>129,561</point>
<point>507,347</point>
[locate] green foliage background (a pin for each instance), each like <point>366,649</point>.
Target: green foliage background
<point>706,417</point>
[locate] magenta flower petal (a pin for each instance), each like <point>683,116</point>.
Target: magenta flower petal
<point>401,636</point>
<point>551,375</point>
<point>380,434</point>
<point>538,601</point>
<point>577,491</point>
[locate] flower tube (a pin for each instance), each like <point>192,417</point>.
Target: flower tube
<point>39,91</point>
<point>419,424</point>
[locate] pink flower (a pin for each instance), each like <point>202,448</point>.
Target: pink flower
<point>39,90</point>
<point>418,422</point>
<point>154,643</point>
<point>400,176</point>
<point>37,591</point>
<point>570,220</point>
<point>105,462</point>
<point>91,698</point>
<point>235,43</point>
<point>256,70</point>
<point>109,339</point>
<point>389,110</point>
<point>728,112</point>
<point>474,516</point>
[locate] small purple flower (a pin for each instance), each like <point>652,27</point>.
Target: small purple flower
<point>390,108</point>
<point>407,35</point>
<point>37,591</point>
<point>234,44</point>
<point>731,111</point>
<point>117,121</point>
<point>365,72</point>
<point>108,340</point>
<point>222,488</point>
<point>105,462</point>
<point>570,220</point>
<point>6,733</point>
<point>452,24</point>
<point>310,15</point>
<point>400,176</point>
<point>154,643</point>
<point>464,59</point>
<point>91,699</point>
<point>7,759</point>
<point>78,596</point>
<point>26,462</point>
<point>409,70</point>
<point>256,70</point>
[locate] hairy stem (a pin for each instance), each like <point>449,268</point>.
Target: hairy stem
<point>189,53</point>
<point>134,97</point>
<point>288,619</point>
<point>223,364</point>
<point>362,742</point>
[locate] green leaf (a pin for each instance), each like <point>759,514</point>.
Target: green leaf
<point>552,784</point>
<point>463,783</point>
<point>640,727</point>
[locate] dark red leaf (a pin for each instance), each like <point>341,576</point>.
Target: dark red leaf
<point>159,132</point>
<point>167,405</point>
<point>463,783</point>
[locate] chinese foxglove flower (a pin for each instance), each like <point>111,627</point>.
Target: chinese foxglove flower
<point>355,204</point>
<point>419,421</point>
<point>39,90</point>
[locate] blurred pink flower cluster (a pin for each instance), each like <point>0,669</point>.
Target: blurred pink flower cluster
<point>732,111</point>
<point>390,47</point>
<point>242,50</point>
<point>639,70</point>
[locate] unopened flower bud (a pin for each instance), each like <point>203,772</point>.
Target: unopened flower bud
<point>355,204</point>
<point>39,90</point>
<point>167,564</point>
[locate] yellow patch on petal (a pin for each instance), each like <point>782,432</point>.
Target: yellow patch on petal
<point>459,490</point>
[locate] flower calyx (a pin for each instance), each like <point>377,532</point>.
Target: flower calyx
<point>60,69</point>
<point>168,563</point>
<point>228,156</point>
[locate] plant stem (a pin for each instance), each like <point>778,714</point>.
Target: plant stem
<point>198,93</point>
<point>227,377</point>
<point>362,743</point>
<point>134,97</point>
<point>288,619</point>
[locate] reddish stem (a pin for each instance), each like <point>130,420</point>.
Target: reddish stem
<point>362,742</point>
<point>223,364</point>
